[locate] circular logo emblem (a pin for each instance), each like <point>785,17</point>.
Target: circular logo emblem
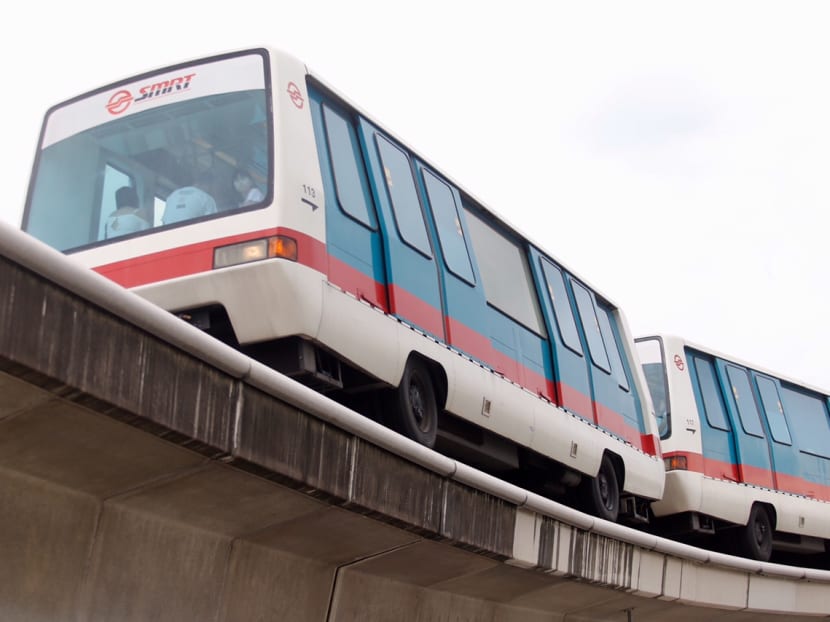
<point>678,362</point>
<point>119,102</point>
<point>295,95</point>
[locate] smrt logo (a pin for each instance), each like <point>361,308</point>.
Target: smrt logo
<point>296,95</point>
<point>121,100</point>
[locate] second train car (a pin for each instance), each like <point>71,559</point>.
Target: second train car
<point>747,451</point>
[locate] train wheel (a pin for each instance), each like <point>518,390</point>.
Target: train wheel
<point>416,413</point>
<point>601,494</point>
<point>755,540</point>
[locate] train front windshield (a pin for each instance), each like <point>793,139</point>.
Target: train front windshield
<point>651,356</point>
<point>184,145</point>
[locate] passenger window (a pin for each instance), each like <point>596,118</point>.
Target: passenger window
<point>404,198</point>
<point>808,416</point>
<point>712,400</point>
<point>508,285</point>
<point>347,165</point>
<point>562,310</point>
<point>745,401</point>
<point>612,346</point>
<point>773,410</point>
<point>590,326</point>
<point>450,231</point>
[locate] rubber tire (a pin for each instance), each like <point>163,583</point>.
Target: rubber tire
<point>755,539</point>
<point>601,494</point>
<point>416,407</point>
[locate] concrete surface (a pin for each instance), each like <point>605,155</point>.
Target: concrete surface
<point>138,482</point>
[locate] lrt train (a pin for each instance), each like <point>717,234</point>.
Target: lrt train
<point>747,451</point>
<point>242,193</point>
<point>246,195</point>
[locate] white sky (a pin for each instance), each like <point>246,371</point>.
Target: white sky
<point>674,154</point>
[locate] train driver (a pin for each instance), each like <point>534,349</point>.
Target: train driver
<point>128,217</point>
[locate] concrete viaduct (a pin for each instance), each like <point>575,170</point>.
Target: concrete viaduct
<point>148,472</point>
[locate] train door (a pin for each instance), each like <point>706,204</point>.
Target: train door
<point>570,372</point>
<point>616,407</point>
<point>784,455</point>
<point>354,244</point>
<point>753,453</point>
<point>717,441</point>
<point>413,287</point>
<point>462,294</point>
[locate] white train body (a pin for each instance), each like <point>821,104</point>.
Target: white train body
<point>359,258</point>
<point>737,437</point>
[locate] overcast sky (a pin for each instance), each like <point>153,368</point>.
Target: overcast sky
<point>674,154</point>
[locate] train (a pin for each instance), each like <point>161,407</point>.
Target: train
<point>246,195</point>
<point>746,450</point>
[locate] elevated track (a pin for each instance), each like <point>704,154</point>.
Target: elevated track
<point>148,472</point>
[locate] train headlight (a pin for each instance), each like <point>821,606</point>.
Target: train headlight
<point>255,250</point>
<point>676,463</point>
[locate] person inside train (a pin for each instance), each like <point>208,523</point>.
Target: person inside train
<point>190,201</point>
<point>128,216</point>
<point>247,189</point>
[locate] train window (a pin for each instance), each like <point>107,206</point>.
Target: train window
<point>562,310</point>
<point>168,145</point>
<point>590,326</point>
<point>347,165</point>
<point>508,285</point>
<point>808,416</point>
<point>774,410</point>
<point>404,198</point>
<point>711,403</point>
<point>650,352</point>
<point>612,346</point>
<point>450,231</point>
<point>744,400</point>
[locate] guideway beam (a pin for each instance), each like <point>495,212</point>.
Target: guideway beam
<point>142,480</point>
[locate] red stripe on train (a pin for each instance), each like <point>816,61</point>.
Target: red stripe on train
<point>719,469</point>
<point>416,311</point>
<point>196,258</point>
<point>355,282</point>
